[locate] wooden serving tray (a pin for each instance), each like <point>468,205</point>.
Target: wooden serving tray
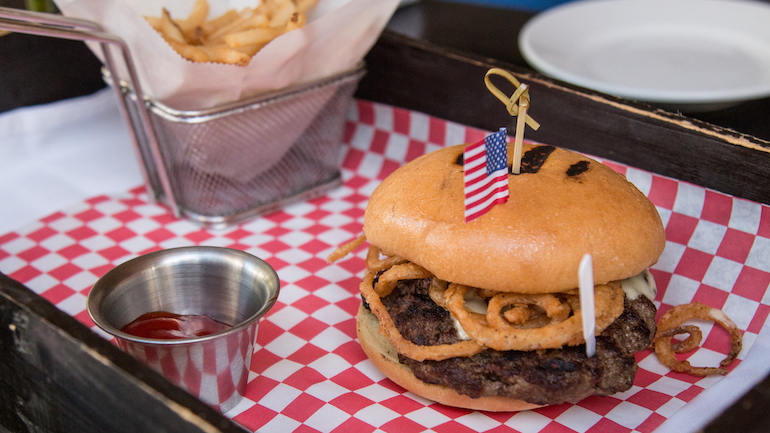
<point>57,375</point>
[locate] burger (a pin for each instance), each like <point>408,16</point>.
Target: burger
<point>486,314</point>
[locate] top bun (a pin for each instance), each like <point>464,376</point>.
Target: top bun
<point>562,206</point>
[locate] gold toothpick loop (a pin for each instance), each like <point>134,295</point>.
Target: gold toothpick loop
<point>517,105</point>
<point>511,103</point>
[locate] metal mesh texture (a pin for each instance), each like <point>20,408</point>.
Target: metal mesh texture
<point>228,166</point>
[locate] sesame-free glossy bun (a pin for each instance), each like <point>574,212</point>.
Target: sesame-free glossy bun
<point>572,205</point>
<point>384,356</point>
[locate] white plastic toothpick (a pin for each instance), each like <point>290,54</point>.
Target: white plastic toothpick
<point>587,307</point>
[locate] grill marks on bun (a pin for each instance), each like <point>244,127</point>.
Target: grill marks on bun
<point>533,159</point>
<point>577,168</point>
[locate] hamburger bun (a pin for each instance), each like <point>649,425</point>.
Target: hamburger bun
<point>571,206</point>
<point>384,356</point>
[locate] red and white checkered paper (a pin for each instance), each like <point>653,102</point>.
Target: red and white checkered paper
<point>308,371</point>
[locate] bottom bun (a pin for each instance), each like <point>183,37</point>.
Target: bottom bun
<point>384,356</point>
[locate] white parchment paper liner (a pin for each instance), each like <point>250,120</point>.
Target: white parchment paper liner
<point>337,36</point>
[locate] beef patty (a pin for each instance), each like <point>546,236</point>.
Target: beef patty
<point>549,376</point>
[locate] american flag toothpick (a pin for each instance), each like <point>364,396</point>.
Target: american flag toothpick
<point>486,174</point>
<point>486,162</point>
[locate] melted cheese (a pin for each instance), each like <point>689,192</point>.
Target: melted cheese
<point>642,284</point>
<point>460,331</point>
<point>475,303</point>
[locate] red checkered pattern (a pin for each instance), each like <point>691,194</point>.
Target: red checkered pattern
<point>308,372</point>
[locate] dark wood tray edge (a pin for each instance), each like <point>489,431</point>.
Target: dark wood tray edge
<point>59,376</point>
<point>448,84</point>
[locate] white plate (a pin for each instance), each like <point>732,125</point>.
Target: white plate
<point>688,54</point>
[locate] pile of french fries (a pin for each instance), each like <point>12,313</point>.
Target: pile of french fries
<point>233,37</point>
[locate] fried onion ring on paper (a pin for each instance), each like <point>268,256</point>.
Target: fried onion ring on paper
<point>521,312</point>
<point>404,271</point>
<point>609,305</point>
<point>670,325</point>
<point>403,346</point>
<point>691,342</point>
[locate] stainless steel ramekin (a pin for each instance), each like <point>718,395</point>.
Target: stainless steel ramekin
<point>227,285</point>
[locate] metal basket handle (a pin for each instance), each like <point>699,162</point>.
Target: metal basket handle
<point>57,26</point>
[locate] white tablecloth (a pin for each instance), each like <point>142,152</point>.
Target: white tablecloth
<point>54,155</point>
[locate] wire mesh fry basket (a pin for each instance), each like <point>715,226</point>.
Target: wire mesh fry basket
<point>230,163</point>
<point>233,162</point>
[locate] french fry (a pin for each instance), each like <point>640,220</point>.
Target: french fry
<point>282,13</point>
<point>169,29</point>
<point>154,22</point>
<point>197,16</point>
<point>196,36</point>
<point>225,54</point>
<point>249,50</point>
<point>226,18</point>
<point>255,20</point>
<point>233,37</point>
<point>189,52</point>
<point>239,25</point>
<point>252,36</point>
<point>296,21</point>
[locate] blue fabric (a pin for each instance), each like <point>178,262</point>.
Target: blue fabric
<point>497,151</point>
<point>531,5</point>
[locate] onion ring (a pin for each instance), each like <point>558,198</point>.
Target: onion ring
<point>670,325</point>
<point>554,309</point>
<point>485,293</point>
<point>405,271</point>
<point>403,346</point>
<point>374,263</point>
<point>691,342</point>
<point>518,315</point>
<point>436,291</point>
<point>346,249</point>
<point>527,317</point>
<point>609,305</point>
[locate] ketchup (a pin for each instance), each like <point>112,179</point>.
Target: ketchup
<point>169,326</point>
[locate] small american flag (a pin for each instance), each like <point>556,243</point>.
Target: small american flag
<point>486,174</point>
